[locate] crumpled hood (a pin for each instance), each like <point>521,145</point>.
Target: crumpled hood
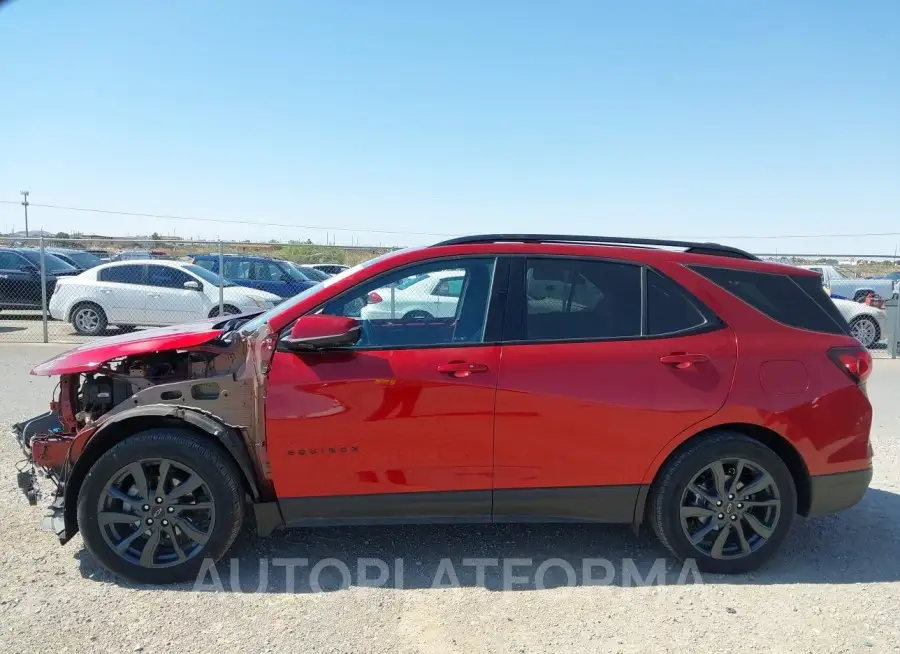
<point>91,356</point>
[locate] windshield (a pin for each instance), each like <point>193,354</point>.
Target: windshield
<point>409,281</point>
<point>311,274</point>
<point>83,260</point>
<point>207,275</point>
<point>53,264</point>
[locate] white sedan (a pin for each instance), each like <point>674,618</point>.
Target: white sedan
<point>421,297</point>
<point>867,323</point>
<point>149,293</point>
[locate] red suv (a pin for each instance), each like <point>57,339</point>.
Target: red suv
<point>534,378</point>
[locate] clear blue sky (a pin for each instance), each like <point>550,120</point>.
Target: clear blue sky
<point>716,118</point>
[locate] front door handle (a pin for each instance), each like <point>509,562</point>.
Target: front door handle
<point>461,368</point>
<point>683,359</point>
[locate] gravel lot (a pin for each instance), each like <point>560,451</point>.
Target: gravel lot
<point>835,587</point>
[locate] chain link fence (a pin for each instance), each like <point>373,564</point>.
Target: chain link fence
<point>57,290</point>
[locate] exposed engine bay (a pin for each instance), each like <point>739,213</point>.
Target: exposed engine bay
<point>100,392</point>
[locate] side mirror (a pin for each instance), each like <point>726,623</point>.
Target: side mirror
<point>319,332</point>
<point>193,285</point>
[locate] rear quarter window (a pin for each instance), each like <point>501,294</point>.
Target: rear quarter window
<point>793,300</point>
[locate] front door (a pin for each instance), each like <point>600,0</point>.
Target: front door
<point>169,301</point>
<point>596,378</point>
<point>398,427</point>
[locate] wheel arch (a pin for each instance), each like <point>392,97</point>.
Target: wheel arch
<point>140,419</point>
<point>771,439</point>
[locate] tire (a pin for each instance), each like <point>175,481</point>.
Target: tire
<point>198,534</point>
<point>866,330</point>
<point>676,511</point>
<point>229,310</point>
<point>417,315</point>
<point>88,319</point>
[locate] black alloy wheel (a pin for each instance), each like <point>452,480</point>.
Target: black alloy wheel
<point>159,503</point>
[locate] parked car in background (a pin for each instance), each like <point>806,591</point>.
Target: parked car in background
<point>20,277</point>
<point>894,276</point>
<point>867,323</point>
<point>418,297</point>
<point>330,268</point>
<point>843,286</point>
<point>309,272</point>
<point>103,255</point>
<point>273,275</point>
<point>703,391</point>
<point>137,255</point>
<point>80,259</point>
<point>150,293</point>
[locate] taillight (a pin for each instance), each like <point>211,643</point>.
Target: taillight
<point>374,298</point>
<point>856,362</point>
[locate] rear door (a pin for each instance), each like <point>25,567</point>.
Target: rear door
<point>122,293</point>
<point>603,363</point>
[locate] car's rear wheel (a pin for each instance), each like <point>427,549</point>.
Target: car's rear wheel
<point>726,501</point>
<point>154,506</point>
<point>417,315</point>
<point>865,329</point>
<point>229,310</point>
<point>89,319</point>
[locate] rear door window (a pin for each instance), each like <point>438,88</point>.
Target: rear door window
<point>123,274</point>
<point>572,299</point>
<point>669,310</point>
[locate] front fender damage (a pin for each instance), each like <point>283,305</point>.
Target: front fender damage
<point>215,389</point>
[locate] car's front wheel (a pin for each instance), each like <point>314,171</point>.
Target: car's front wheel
<point>726,501</point>
<point>157,504</point>
<point>865,329</point>
<point>89,319</point>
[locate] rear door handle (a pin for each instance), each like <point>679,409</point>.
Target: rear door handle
<point>683,359</point>
<point>461,368</point>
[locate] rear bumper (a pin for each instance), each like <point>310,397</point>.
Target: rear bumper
<point>830,493</point>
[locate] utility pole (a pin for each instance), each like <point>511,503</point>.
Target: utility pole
<point>24,195</point>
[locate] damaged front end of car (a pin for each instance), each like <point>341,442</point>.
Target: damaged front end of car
<point>208,378</point>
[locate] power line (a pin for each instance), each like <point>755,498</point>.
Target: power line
<point>398,232</point>
<point>227,221</point>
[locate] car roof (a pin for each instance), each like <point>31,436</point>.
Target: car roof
<point>171,263</point>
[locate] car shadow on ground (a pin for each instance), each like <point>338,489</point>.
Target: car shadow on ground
<point>854,546</point>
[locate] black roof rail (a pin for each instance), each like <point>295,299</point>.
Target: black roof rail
<point>692,247</point>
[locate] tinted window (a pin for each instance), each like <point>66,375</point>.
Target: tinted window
<point>409,281</point>
<point>209,264</point>
<point>237,269</point>
<point>167,277</point>
<point>266,272</point>
<point>795,300</point>
<point>573,299</point>
<point>83,260</point>
<point>11,261</point>
<point>668,309</point>
<point>52,263</point>
<point>417,317</point>
<point>123,274</point>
